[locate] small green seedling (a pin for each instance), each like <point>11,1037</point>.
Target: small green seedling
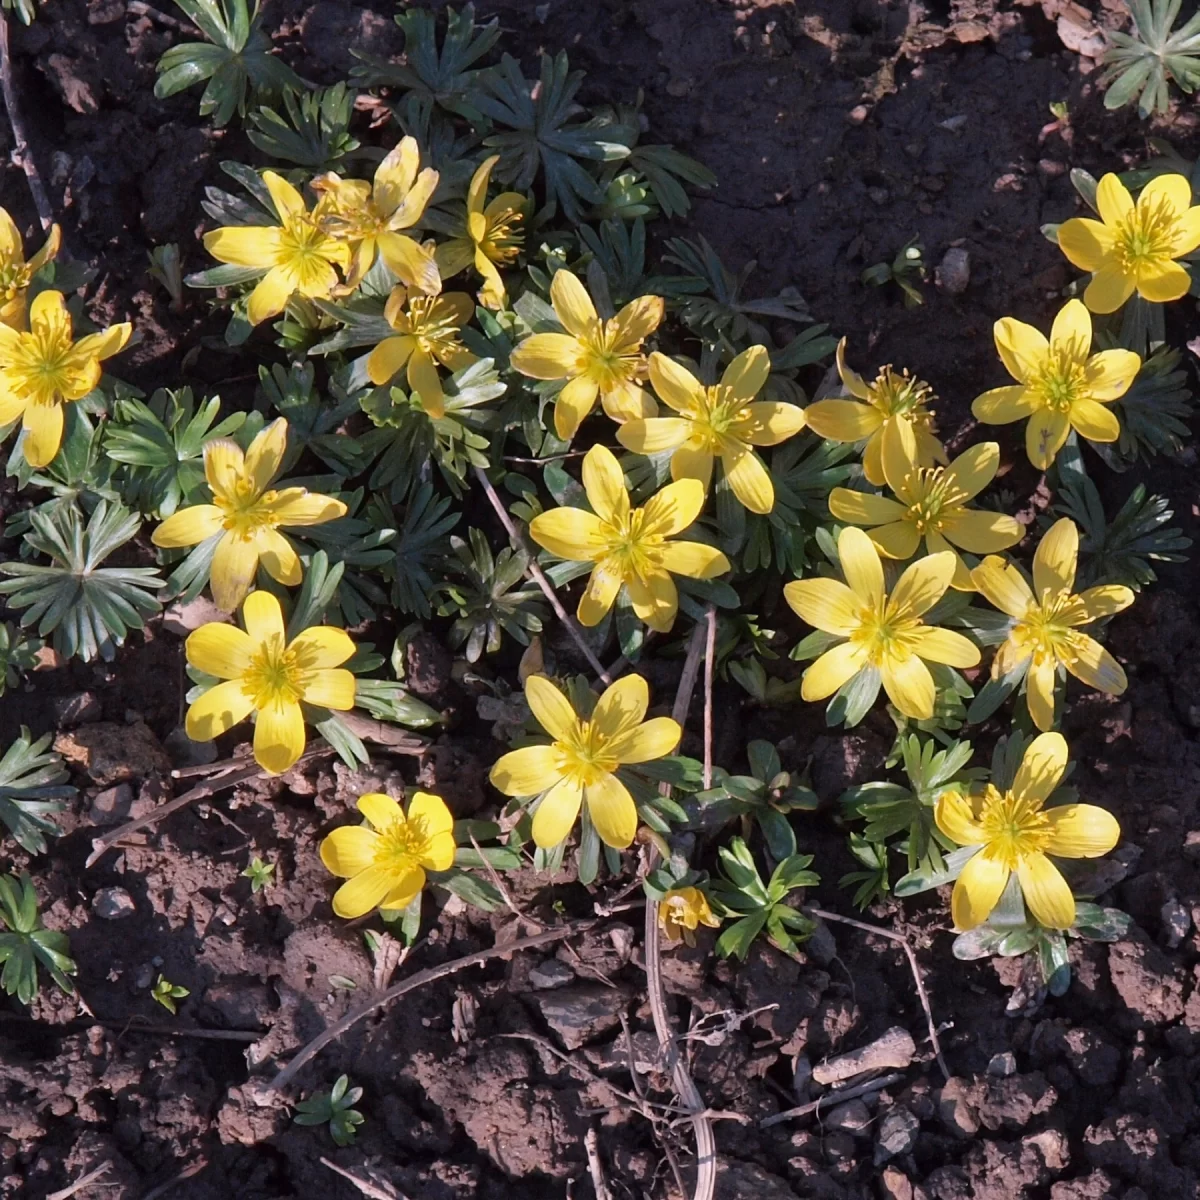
<point>907,270</point>
<point>335,1108</point>
<point>28,942</point>
<point>166,993</point>
<point>166,267</point>
<point>259,873</point>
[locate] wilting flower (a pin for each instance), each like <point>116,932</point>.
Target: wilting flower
<point>883,633</point>
<point>931,503</point>
<point>297,255</point>
<point>895,407</point>
<point>1047,620</point>
<point>489,237</point>
<point>1134,246</point>
<point>580,764</point>
<point>16,273</point>
<point>681,911</point>
<point>427,330</point>
<point>44,369</point>
<point>384,862</point>
<point>724,421</point>
<point>248,513</point>
<point>629,546</point>
<point>1013,832</point>
<point>369,218</point>
<point>595,357</point>
<point>269,676</point>
<point>1062,385</point>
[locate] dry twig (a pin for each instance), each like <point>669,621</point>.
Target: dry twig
<point>373,1190</point>
<point>84,1181</point>
<point>21,154</point>
<point>710,654</point>
<point>834,1097</point>
<point>132,1026</point>
<point>185,1174</point>
<point>591,1147</point>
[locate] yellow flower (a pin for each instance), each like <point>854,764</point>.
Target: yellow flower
<point>681,910</point>
<point>581,762</point>
<point>248,514</point>
<point>931,503</point>
<point>892,408</point>
<point>1013,832</point>
<point>629,546</point>
<point>1046,625</point>
<point>489,236</point>
<point>1061,385</point>
<point>296,255</point>
<point>385,864</point>
<point>44,369</point>
<point>267,675</point>
<point>883,633</point>
<point>723,421</point>
<point>16,273</point>
<point>427,330</point>
<point>595,357</point>
<point>369,217</point>
<point>1134,246</point>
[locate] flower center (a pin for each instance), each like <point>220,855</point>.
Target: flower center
<point>433,324</point>
<point>1146,236</point>
<point>244,510</point>
<point>302,243</point>
<point>601,361</point>
<point>1047,630</point>
<point>585,759</point>
<point>629,549</point>
<point>937,498</point>
<point>1014,827</point>
<point>1060,381</point>
<point>14,279</point>
<point>275,674</point>
<point>403,845</point>
<point>899,394</point>
<point>885,632</point>
<point>501,241</point>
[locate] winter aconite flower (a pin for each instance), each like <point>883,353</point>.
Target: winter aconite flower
<point>1133,247</point>
<point>724,421</point>
<point>369,217</point>
<point>269,676</point>
<point>630,546</point>
<point>681,911</point>
<point>931,503</point>
<point>427,329</point>
<point>894,407</point>
<point>1046,631</point>
<point>248,513</point>
<point>16,273</point>
<point>1014,832</point>
<point>297,255</point>
<point>594,357</point>
<point>1061,384</point>
<point>883,633</point>
<point>384,862</point>
<point>580,764</point>
<point>44,369</point>
<point>489,238</point>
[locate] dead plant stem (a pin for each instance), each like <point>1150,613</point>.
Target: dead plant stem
<point>834,1097</point>
<point>82,1182</point>
<point>364,1185</point>
<point>21,155</point>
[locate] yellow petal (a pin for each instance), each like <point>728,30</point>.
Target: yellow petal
<point>1162,282</point>
<point>556,814</point>
<point>1110,287</point>
<point>956,819</point>
<point>898,540</point>
<point>234,565</point>
<point>217,711</point>
<point>1039,692</point>
<point>423,379</point>
<point>43,432</point>
<point>982,532</point>
<point>278,557</point>
<point>551,708</point>
<point>321,646</point>
<point>826,604</point>
<point>278,736</point>
<point>410,210</point>
<point>330,689</point>
<point>627,401</point>
<point>842,420</point>
<point>935,543</point>
<point>12,248</point>
<point>306,508</point>
<point>570,533</point>
<point>572,305</point>
<point>975,468</point>
<point>977,890</point>
<point>1170,192</point>
<point>749,478</point>
<point>359,895</point>
<point>1056,558</point>
<point>655,600</point>
<point>50,248</point>
<point>388,357</point>
<point>395,174</point>
<point>691,462</point>
<point>220,650</point>
<point>909,686</point>
<point>1113,201</point>
<point>831,670</point>
<point>410,262</point>
<point>1081,831</point>
<point>861,565</point>
<point>694,559</point>
<point>407,887</point>
<point>12,404</point>
<point>612,811</point>
<point>349,850</point>
<point>1085,242</point>
<point>1110,373</point>
<point>946,646</point>
<point>429,812</point>
<point>862,508</point>
<point>654,435</point>
<point>747,374</point>
<point>1022,348</point>
<point>1044,436</point>
<point>604,483</point>
<point>1046,893</point>
<point>1002,405</point>
<point>49,318</point>
<point>189,526</point>
<point>635,322</point>
<point>1041,768</point>
<point>1091,663</point>
<point>270,296</point>
<point>224,467</point>
<point>653,739</point>
<point>602,587</point>
<point>381,810</point>
<point>572,404</point>
<point>244,245</point>
<point>1072,331</point>
<point>1104,601</point>
<point>922,584</point>
<point>675,385</point>
<point>850,377</point>
<point>1003,585</point>
<point>102,345</point>
<point>526,772</point>
<point>622,706</point>
<point>547,356</point>
<point>898,459</point>
<point>673,509</point>
<point>1187,233</point>
<point>767,423</point>
<point>1095,422</point>
<point>288,202</point>
<point>477,192</point>
<point>262,617</point>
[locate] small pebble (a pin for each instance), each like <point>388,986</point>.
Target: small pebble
<point>111,806</point>
<point>858,114</point>
<point>852,1117</point>
<point>1002,1065</point>
<point>112,904</point>
<point>82,708</point>
<point>550,974</point>
<point>1177,921</point>
<point>953,273</point>
<point>897,1134</point>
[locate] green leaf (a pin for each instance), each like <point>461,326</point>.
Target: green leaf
<point>31,788</point>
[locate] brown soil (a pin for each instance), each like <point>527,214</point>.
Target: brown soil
<point>833,148</point>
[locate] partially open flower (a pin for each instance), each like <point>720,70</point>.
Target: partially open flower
<point>16,273</point>
<point>681,911</point>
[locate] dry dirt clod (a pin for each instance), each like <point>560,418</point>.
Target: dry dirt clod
<point>897,1134</point>
<point>853,1117</point>
<point>894,1050</point>
<point>550,974</point>
<point>81,708</point>
<point>580,1015</point>
<point>111,753</point>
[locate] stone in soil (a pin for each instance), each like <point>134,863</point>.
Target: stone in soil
<point>111,806</point>
<point>111,753</point>
<point>113,904</point>
<point>583,1014</point>
<point>550,974</point>
<point>898,1131</point>
<point>81,708</point>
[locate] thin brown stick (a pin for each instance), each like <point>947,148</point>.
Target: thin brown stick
<point>591,1147</point>
<point>710,654</point>
<point>539,577</point>
<point>913,965</point>
<point>373,1190</point>
<point>123,1027</point>
<point>420,979</point>
<point>835,1097</point>
<point>21,154</point>
<point>82,1182</point>
<point>184,1175</point>
<point>505,895</point>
